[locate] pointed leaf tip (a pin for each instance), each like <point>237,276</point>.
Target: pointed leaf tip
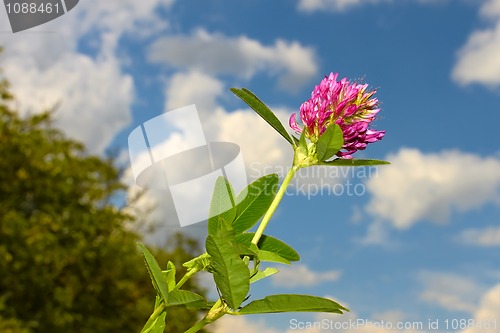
<point>292,303</point>
<point>262,110</point>
<point>157,277</point>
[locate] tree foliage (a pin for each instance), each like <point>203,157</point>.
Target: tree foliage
<point>68,263</point>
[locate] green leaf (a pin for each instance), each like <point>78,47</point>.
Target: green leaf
<point>244,250</point>
<point>258,106</point>
<point>222,207</point>
<point>169,274</point>
<point>199,306</point>
<point>254,201</point>
<point>159,281</point>
<point>271,257</point>
<point>353,162</point>
<point>203,262</point>
<point>156,324</point>
<point>159,324</point>
<point>270,244</point>
<point>292,303</point>
<point>330,142</point>
<point>263,274</point>
<point>184,297</point>
<point>301,151</point>
<point>263,255</point>
<point>231,274</point>
<point>302,147</point>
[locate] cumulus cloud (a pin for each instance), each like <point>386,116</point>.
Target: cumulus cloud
<point>477,60</point>
<point>94,95</point>
<point>241,126</point>
<point>333,5</point>
<point>418,186</point>
<point>450,291</point>
<point>488,312</point>
<point>302,276</point>
<point>245,128</point>
<point>486,237</point>
<point>126,16</point>
<point>490,9</point>
<point>240,324</point>
<point>214,53</point>
<point>344,5</point>
<point>193,87</point>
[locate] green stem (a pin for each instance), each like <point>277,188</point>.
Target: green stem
<point>215,313</point>
<point>274,204</point>
<point>186,277</point>
<point>153,317</point>
<point>158,310</point>
<point>198,326</point>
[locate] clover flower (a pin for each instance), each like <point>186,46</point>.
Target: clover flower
<point>347,104</point>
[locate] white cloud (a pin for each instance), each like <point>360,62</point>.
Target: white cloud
<point>242,126</point>
<point>488,312</point>
<point>241,56</point>
<point>94,95</point>
<point>333,5</point>
<point>344,5</point>
<point>478,60</point>
<point>418,186</point>
<point>156,217</point>
<point>193,87</point>
<point>450,291</point>
<point>490,9</point>
<point>486,237</point>
<point>126,16</point>
<point>264,150</point>
<point>301,276</point>
<point>392,316</point>
<point>240,324</point>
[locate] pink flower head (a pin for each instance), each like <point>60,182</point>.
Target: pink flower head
<point>347,104</point>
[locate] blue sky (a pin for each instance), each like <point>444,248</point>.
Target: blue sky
<point>421,240</point>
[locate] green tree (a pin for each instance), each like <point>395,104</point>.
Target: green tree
<point>68,263</point>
